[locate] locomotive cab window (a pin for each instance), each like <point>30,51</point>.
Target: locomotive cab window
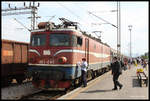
<point>38,40</point>
<point>59,40</point>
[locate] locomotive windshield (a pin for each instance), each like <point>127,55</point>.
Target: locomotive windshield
<point>38,40</point>
<point>59,40</point>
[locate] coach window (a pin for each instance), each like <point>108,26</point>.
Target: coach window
<point>79,41</point>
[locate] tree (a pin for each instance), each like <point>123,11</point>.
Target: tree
<point>145,55</point>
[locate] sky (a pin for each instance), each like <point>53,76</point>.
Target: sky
<point>133,13</point>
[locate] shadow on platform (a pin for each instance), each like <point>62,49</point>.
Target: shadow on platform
<point>135,83</point>
<point>95,91</point>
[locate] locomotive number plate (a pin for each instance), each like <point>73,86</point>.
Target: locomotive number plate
<point>46,52</point>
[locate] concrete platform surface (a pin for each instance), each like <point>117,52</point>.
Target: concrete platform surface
<point>101,88</point>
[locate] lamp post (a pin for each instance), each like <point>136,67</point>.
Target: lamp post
<point>118,30</point>
<point>130,28</point>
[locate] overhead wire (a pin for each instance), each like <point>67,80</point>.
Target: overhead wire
<point>69,10</point>
<point>89,13</point>
<point>78,17</point>
<point>86,12</point>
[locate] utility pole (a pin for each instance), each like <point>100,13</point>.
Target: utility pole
<point>33,12</point>
<point>33,15</point>
<point>130,28</point>
<point>118,30</point>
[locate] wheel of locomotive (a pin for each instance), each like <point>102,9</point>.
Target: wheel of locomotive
<point>93,73</point>
<point>89,75</point>
<point>80,81</point>
<point>73,83</point>
<point>66,90</point>
<point>103,70</point>
<point>96,73</point>
<point>20,79</point>
<point>77,82</point>
<point>99,72</point>
<point>6,81</point>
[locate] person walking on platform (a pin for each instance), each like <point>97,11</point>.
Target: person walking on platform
<point>121,63</point>
<point>129,63</point>
<point>84,71</point>
<point>116,71</point>
<point>125,63</point>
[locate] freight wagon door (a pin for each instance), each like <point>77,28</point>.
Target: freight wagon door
<point>87,50</point>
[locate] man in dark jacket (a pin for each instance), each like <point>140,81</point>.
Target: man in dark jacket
<point>122,64</point>
<point>116,71</point>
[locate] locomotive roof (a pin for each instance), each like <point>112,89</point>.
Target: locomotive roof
<point>74,30</point>
<point>63,29</point>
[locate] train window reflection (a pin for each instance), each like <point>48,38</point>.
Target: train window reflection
<point>38,40</point>
<point>74,40</point>
<point>59,40</point>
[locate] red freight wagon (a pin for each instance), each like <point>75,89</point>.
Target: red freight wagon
<point>14,61</point>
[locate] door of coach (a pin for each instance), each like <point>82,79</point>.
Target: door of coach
<point>87,50</point>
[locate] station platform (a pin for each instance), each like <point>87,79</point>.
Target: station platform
<point>101,87</point>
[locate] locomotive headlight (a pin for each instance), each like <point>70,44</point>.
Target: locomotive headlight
<point>62,60</point>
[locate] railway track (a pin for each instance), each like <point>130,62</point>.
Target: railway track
<point>26,91</point>
<point>44,95</point>
<point>18,91</point>
<point>50,95</point>
<point>47,94</point>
